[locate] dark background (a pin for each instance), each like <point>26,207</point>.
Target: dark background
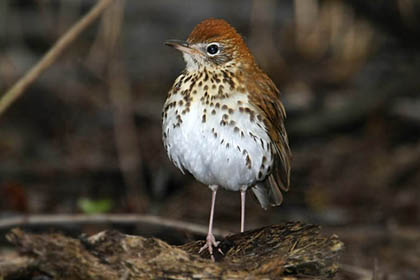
<point>86,136</point>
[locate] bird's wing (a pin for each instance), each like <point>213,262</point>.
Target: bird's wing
<point>265,95</point>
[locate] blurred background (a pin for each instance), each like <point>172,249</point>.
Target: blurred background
<point>86,136</point>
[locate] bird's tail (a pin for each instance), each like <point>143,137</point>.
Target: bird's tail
<point>268,193</point>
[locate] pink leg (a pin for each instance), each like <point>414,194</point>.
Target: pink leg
<point>243,193</point>
<point>211,240</point>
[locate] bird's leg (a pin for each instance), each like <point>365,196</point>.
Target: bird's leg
<point>243,193</point>
<point>210,239</point>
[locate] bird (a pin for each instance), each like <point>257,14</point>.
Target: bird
<point>223,120</point>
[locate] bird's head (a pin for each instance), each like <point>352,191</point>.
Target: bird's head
<point>212,43</point>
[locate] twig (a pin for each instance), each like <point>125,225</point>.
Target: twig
<point>125,133</point>
<point>106,218</point>
<point>19,87</point>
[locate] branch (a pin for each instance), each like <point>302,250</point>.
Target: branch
<point>19,87</point>
<point>106,218</point>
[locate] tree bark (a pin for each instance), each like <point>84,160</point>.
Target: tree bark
<point>272,252</point>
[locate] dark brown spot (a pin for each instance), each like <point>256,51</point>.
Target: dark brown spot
<point>248,161</point>
<point>232,123</point>
<point>180,103</point>
<point>206,87</point>
<point>213,112</point>
<point>224,107</point>
<point>225,116</point>
<point>236,129</point>
<point>259,175</point>
<point>230,111</point>
<point>187,79</point>
<point>225,74</point>
<point>252,135</point>
<point>191,86</point>
<point>217,105</point>
<point>203,118</point>
<point>252,116</point>
<point>220,91</point>
<point>230,82</point>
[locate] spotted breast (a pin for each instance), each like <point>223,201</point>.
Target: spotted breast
<point>212,130</point>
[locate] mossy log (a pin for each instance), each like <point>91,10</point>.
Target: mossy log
<point>286,251</point>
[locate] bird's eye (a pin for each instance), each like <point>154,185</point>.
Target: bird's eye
<point>212,49</point>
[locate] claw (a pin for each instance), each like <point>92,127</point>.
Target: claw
<point>210,243</point>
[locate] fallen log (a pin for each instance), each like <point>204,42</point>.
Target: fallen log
<point>287,251</point>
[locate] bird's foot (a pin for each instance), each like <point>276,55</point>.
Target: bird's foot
<point>210,243</point>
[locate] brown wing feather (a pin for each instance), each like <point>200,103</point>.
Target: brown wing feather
<point>265,96</point>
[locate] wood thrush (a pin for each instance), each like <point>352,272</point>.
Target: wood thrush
<point>223,120</point>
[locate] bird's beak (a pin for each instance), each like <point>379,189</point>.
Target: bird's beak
<point>182,46</point>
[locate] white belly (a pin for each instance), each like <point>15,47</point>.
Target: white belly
<point>233,155</point>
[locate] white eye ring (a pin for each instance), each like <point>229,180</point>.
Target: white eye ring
<point>213,49</point>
